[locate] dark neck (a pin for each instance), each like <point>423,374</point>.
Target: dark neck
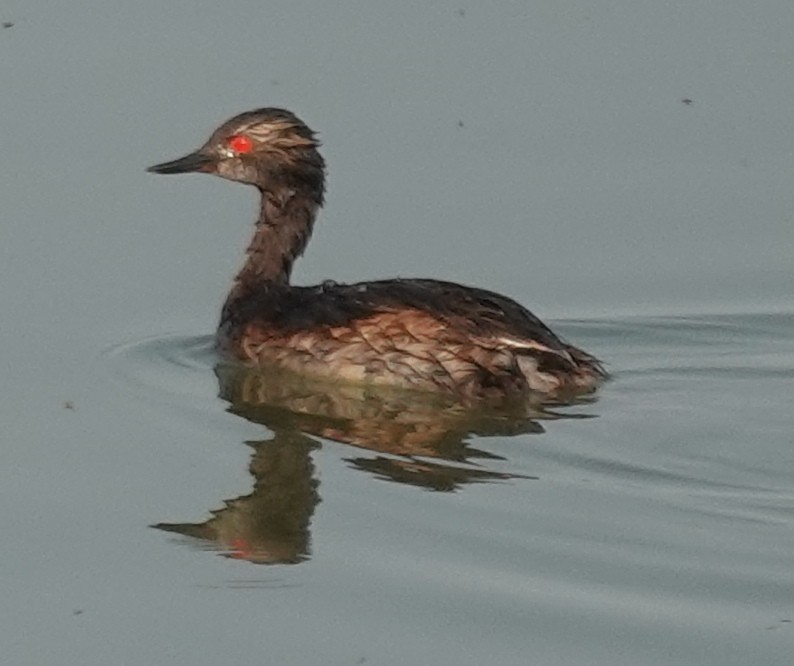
<point>284,226</point>
<point>292,192</point>
<point>282,231</point>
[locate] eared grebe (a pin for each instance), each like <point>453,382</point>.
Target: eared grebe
<point>418,334</point>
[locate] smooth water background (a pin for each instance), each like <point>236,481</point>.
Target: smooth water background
<point>545,150</point>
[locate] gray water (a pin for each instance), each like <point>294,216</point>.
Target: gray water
<point>623,168</point>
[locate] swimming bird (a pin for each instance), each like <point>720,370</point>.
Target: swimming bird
<point>428,335</point>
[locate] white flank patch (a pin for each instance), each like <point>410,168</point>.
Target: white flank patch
<point>531,344</point>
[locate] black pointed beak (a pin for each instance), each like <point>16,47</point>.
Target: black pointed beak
<point>196,161</point>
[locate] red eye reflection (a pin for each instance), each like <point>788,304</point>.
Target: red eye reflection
<point>241,144</point>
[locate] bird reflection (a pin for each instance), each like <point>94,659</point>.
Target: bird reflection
<point>418,439</point>
<point>271,524</point>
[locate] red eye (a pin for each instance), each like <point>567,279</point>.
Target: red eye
<point>241,144</point>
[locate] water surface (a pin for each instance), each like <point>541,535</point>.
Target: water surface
<point>158,511</point>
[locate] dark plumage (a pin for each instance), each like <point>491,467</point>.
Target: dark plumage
<point>419,334</point>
